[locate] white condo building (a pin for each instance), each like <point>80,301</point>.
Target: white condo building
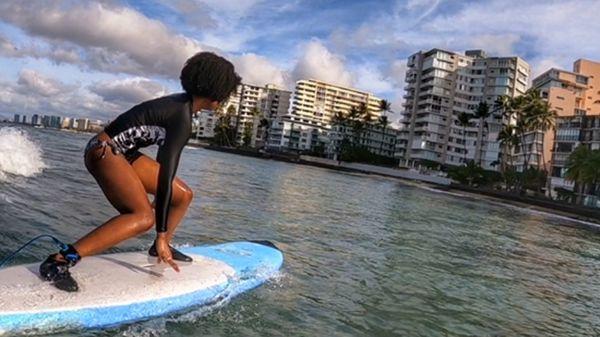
<point>314,104</point>
<point>291,134</point>
<point>254,103</point>
<point>440,85</point>
<point>203,124</point>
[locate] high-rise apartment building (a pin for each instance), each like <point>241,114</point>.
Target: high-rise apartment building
<point>204,124</point>
<point>316,102</point>
<point>253,103</point>
<point>575,97</point>
<point>571,132</point>
<point>591,69</point>
<point>566,92</point>
<point>440,86</point>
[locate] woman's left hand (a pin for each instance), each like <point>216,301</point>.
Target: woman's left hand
<point>164,251</point>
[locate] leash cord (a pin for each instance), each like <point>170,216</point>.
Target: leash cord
<point>60,244</point>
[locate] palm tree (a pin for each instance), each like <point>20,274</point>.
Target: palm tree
<point>508,140</point>
<point>265,125</point>
<point>482,112</point>
<point>463,120</point>
<point>518,108</point>
<point>338,118</point>
<point>575,165</point>
<point>542,118</point>
<point>231,110</point>
<point>583,168</point>
<point>383,123</point>
<point>355,115</point>
<point>385,106</point>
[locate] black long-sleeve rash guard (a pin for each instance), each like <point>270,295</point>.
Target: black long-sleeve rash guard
<point>165,121</point>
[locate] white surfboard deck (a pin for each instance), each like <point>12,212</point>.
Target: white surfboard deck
<point>126,287</point>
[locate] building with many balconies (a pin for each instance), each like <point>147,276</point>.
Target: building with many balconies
<point>374,137</point>
<point>316,102</point>
<point>254,103</point>
<point>291,134</point>
<point>440,85</point>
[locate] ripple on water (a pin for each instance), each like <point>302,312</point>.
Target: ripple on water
<point>364,256</point>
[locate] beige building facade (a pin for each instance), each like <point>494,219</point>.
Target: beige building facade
<point>316,102</point>
<point>566,93</point>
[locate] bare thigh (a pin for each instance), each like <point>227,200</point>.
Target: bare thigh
<point>118,180</point>
<point>147,170</point>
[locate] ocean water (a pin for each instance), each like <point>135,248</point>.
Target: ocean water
<point>364,255</point>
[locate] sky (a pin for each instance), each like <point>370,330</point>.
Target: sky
<point>97,59</point>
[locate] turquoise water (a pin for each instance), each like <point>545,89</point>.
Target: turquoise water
<point>364,255</point>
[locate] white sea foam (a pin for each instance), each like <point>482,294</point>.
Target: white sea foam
<point>19,155</point>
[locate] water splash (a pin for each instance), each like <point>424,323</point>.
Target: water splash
<point>19,155</point>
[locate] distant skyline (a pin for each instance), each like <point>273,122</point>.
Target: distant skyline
<point>96,59</point>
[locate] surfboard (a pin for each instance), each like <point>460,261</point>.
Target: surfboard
<point>128,287</point>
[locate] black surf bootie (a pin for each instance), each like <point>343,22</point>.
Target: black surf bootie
<point>57,272</point>
<point>177,255</point>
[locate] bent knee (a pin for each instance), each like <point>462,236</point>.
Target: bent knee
<point>188,195</point>
<point>185,196</point>
<point>145,220</point>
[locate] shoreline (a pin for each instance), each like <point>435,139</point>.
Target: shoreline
<point>586,217</point>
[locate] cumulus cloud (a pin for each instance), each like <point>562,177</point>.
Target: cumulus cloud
<point>397,72</point>
<point>317,62</point>
<point>258,70</point>
<point>128,91</point>
<point>33,83</point>
<point>118,39</point>
<point>369,78</point>
<point>35,92</point>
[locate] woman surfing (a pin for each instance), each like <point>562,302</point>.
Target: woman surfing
<point>126,176</point>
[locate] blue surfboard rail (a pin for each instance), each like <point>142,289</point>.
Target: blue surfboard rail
<point>254,263</point>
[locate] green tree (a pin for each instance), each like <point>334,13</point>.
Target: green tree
<point>233,113</point>
<point>224,132</point>
<point>508,141</point>
<point>541,118</point>
<point>482,113</point>
<point>264,125</point>
<point>463,120</point>
<point>383,123</point>
<point>247,134</point>
<point>385,107</point>
<point>583,168</point>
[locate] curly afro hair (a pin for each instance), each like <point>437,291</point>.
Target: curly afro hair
<point>209,75</point>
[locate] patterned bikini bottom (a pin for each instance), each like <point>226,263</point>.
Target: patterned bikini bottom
<point>94,143</point>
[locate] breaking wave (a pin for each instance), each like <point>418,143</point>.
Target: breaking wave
<point>19,155</point>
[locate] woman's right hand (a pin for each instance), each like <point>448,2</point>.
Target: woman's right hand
<point>164,252</point>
